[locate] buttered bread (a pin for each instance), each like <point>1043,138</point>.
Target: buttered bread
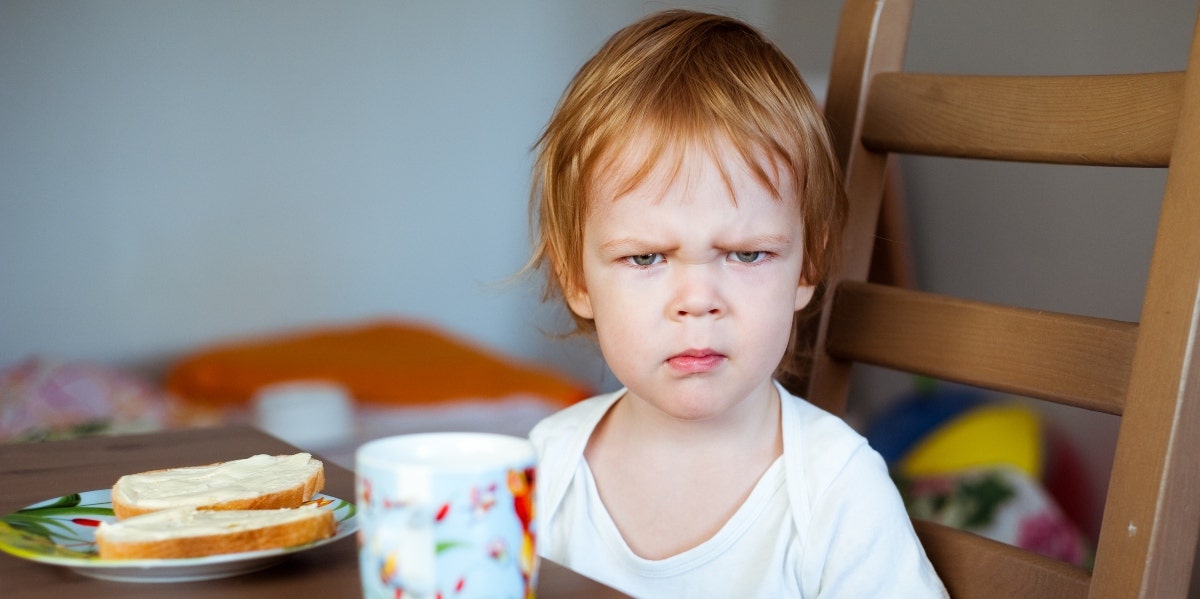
<point>258,482</point>
<point>189,532</point>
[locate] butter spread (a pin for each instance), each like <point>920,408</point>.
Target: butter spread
<point>176,523</point>
<point>217,483</point>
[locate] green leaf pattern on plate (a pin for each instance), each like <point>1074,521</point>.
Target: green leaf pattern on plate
<point>65,527</point>
<point>61,528</point>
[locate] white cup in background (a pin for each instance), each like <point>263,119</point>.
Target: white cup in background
<point>311,415</point>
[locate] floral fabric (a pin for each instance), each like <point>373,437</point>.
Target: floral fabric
<point>1001,503</point>
<point>45,399</point>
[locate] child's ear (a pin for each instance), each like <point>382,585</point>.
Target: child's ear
<point>807,287</point>
<point>579,301</point>
<point>576,295</point>
<point>804,294</point>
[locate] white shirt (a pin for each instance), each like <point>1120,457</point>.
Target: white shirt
<point>824,520</point>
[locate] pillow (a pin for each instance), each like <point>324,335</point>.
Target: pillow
<point>1001,503</point>
<point>386,362</point>
<point>989,435</point>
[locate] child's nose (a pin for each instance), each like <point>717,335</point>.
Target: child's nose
<point>697,292</point>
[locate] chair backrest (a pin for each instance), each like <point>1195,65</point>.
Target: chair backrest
<point>1144,371</point>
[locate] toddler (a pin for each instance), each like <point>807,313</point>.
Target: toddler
<point>687,205</point>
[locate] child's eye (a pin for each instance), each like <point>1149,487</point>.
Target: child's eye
<point>748,257</point>
<point>645,259</point>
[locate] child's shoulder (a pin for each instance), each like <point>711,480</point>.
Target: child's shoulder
<point>822,447</point>
<point>817,423</point>
<point>577,419</point>
<point>559,440</point>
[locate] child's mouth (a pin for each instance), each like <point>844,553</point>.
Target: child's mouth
<point>696,361</point>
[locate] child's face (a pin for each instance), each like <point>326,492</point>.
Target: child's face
<point>693,289</point>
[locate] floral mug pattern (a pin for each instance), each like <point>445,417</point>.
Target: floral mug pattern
<point>447,515</point>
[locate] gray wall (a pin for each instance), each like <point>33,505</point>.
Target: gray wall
<point>176,173</point>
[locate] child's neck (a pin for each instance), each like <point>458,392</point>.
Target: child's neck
<point>749,423</point>
<point>671,484</point>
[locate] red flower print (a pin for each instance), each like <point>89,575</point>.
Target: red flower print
<point>497,550</point>
<point>1049,535</point>
<point>521,485</point>
<point>482,501</point>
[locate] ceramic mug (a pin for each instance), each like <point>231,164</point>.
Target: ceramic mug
<point>446,515</point>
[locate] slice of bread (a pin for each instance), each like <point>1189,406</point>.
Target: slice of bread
<point>189,532</point>
<point>255,483</point>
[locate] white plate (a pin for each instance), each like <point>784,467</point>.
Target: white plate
<point>61,532</point>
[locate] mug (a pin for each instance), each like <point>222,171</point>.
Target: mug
<point>447,515</point>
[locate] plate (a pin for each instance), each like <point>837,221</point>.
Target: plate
<point>61,532</point>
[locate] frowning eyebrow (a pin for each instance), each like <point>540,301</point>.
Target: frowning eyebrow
<point>769,241</point>
<point>631,245</point>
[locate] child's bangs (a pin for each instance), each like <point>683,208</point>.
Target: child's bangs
<point>659,144</point>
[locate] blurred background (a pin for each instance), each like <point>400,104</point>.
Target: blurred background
<point>176,174</point>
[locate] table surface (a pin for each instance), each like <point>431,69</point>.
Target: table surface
<point>34,472</point>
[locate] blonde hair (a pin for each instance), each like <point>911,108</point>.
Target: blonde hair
<point>677,78</point>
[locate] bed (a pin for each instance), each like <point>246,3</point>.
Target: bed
<point>354,382</point>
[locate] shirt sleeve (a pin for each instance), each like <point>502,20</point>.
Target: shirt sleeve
<point>861,542</point>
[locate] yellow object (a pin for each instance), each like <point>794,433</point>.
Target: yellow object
<point>985,436</point>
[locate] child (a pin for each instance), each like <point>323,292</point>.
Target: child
<point>687,204</point>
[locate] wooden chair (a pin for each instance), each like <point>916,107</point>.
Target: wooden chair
<point>1144,372</point>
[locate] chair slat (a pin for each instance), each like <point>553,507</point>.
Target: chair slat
<point>1074,360</point>
<point>1114,120</point>
<point>973,566</point>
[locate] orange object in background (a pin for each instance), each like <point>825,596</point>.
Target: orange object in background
<point>387,362</point>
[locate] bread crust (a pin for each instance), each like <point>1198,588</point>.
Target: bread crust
<point>286,498</point>
<point>319,525</point>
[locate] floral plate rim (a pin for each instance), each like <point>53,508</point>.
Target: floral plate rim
<point>60,531</point>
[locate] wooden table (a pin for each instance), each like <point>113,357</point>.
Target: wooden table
<point>33,472</point>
